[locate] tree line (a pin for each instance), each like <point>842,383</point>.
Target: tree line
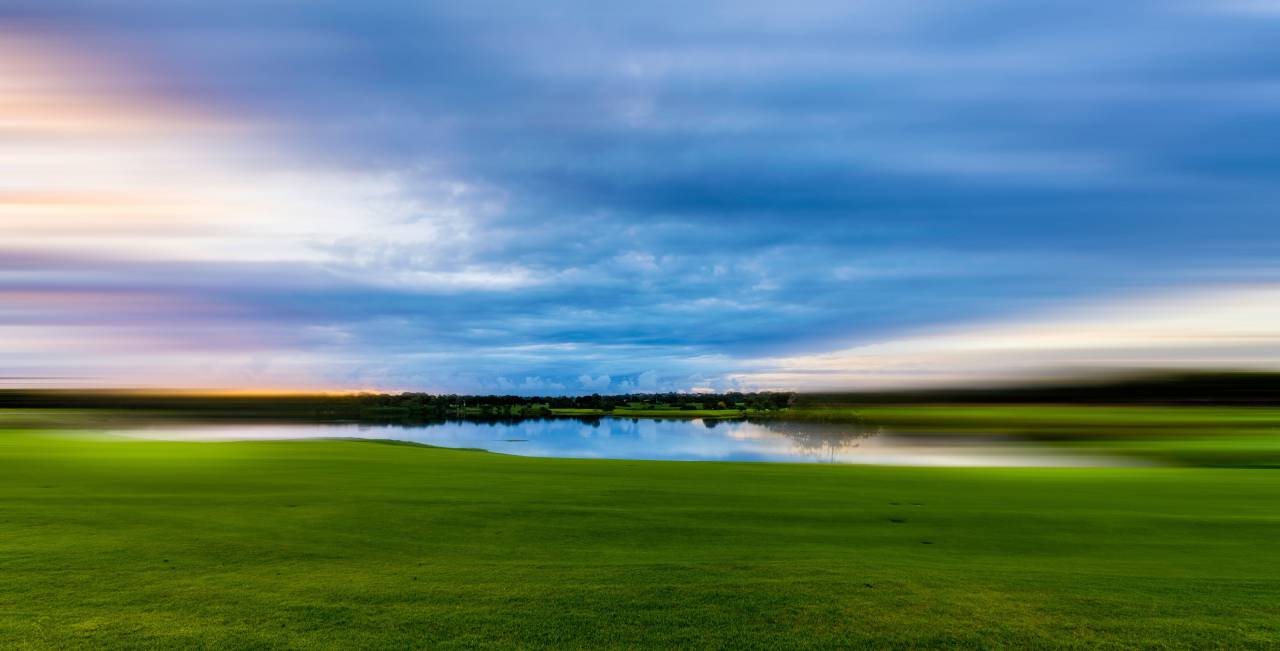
<point>366,406</point>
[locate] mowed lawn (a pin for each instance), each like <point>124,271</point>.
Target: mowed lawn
<point>350,544</point>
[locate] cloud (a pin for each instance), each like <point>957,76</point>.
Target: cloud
<point>461,197</point>
<point>647,381</point>
<point>594,385</point>
<point>539,385</point>
<point>1222,327</point>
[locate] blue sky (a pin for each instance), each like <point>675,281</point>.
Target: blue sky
<point>572,196</point>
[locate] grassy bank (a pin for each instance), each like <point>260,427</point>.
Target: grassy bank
<point>339,544</point>
<point>1247,437</point>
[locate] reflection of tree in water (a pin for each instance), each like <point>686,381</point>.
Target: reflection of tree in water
<point>821,439</point>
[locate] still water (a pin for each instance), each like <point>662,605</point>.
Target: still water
<point>669,439</point>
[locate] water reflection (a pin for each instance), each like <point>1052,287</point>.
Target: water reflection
<point>642,438</point>
<point>822,440</point>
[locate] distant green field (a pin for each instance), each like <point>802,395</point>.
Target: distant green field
<point>348,544</point>
<point>1193,436</point>
<point>1068,419</point>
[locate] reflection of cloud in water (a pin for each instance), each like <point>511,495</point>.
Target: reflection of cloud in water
<point>821,440</point>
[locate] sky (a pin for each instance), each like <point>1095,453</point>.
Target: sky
<point>576,197</point>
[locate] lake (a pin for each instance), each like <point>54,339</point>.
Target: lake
<point>660,439</point>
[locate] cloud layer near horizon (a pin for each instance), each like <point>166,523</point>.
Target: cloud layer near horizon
<point>573,198</point>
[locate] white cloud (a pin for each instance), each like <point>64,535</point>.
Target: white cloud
<point>594,384</point>
<point>533,384</point>
<point>1234,327</point>
<point>647,381</point>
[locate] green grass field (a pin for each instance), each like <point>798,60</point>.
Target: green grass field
<point>346,544</point>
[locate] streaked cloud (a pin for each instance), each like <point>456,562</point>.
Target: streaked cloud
<point>1234,327</point>
<point>574,197</point>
